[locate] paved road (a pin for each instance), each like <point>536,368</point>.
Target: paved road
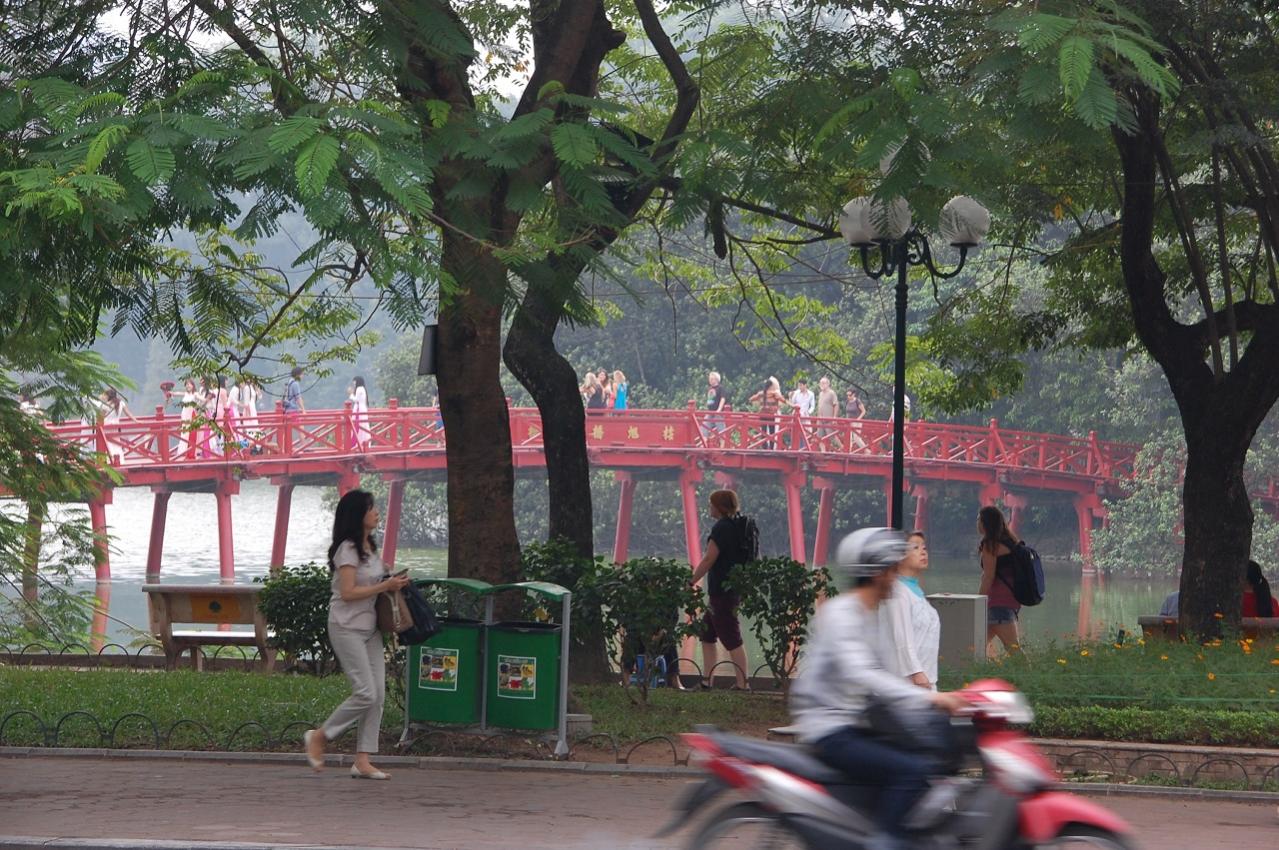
<point>438,808</point>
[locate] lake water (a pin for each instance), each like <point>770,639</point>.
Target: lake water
<point>1075,603</point>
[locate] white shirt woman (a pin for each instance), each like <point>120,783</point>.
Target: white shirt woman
<point>909,623</point>
<point>359,398</point>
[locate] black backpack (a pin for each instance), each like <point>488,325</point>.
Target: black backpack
<point>749,535</point>
<point>424,622</point>
<point>1028,575</point>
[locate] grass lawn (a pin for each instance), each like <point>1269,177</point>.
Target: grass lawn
<point>279,708</point>
<point>1169,693</point>
<point>1227,675</point>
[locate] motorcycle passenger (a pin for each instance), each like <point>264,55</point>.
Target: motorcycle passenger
<point>844,678</point>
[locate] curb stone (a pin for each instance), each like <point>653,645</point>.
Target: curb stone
<point>1098,789</point>
<point>31,842</point>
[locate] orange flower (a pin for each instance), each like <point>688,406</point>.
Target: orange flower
<point>1084,653</point>
<point>1219,615</point>
<point>1163,658</point>
<point>1212,677</point>
<point>1062,661</point>
<point>1275,662</point>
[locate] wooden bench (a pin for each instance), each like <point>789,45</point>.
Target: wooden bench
<point>1166,628</point>
<point>215,604</point>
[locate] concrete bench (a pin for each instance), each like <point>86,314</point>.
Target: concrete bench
<point>1166,628</point>
<point>215,604</point>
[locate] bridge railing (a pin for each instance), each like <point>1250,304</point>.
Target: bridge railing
<point>164,439</point>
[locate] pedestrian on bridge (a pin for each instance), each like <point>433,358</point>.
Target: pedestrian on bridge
<point>770,401</point>
<point>358,578</point>
<point>358,395</point>
<point>293,402</point>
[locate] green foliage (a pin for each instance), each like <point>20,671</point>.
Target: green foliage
<point>649,601</point>
<point>779,597</point>
<point>295,602</point>
<point>1207,727</point>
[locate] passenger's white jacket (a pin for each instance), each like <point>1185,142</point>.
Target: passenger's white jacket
<point>843,666</point>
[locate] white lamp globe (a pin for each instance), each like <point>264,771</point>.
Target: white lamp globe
<point>855,223</point>
<point>891,219</point>
<point>964,222</point>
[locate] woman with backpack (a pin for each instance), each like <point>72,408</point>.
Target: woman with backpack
<point>997,567</point>
<point>358,578</point>
<point>733,541</point>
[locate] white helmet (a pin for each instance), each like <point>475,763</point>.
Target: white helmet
<point>867,552</point>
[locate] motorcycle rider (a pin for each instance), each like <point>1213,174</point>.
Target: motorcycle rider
<point>843,678</point>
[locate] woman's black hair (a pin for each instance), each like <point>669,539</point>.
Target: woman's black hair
<point>348,524</point>
<point>994,530</point>
<point>1260,590</point>
<point>359,381</point>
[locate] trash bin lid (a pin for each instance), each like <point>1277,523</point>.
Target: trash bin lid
<point>473,585</point>
<point>543,588</point>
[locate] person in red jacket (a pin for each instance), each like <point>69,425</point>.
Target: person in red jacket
<point>1257,601</point>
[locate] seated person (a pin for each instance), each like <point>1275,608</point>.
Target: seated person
<point>1172,605</point>
<point>844,673</point>
<point>1257,601</point>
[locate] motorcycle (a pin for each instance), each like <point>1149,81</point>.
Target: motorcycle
<point>789,798</point>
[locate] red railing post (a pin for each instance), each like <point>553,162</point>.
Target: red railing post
<point>285,432</point>
<point>162,435</point>
<point>344,429</point>
<point>992,441</point>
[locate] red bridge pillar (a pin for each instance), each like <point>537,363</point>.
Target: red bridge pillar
<point>155,548</point>
<point>625,499</point>
<point>98,519</point>
<point>1088,507</point>
<point>348,480</point>
<point>283,502</point>
<point>688,481</point>
<point>394,507</point>
<point>222,492</point>
<point>1016,504</point>
<point>990,494</point>
<point>825,508</point>
<point>920,521</point>
<point>794,483</point>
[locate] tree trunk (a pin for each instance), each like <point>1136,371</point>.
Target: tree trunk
<point>531,356</point>
<point>31,563</point>
<point>481,472</point>
<point>1218,527</point>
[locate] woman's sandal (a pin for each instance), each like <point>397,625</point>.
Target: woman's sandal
<point>372,774</point>
<point>316,763</point>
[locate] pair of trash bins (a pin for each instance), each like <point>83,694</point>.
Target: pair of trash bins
<point>487,674</point>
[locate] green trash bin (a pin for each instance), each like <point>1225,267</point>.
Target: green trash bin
<point>445,674</point>
<point>524,669</point>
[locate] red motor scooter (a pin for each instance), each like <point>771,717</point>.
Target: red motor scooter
<point>787,798</point>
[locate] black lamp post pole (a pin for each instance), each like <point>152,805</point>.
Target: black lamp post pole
<point>899,386</point>
<point>896,257</point>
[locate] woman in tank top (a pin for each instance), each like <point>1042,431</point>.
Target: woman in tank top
<point>996,550</point>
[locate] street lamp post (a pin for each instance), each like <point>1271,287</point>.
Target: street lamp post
<point>867,224</point>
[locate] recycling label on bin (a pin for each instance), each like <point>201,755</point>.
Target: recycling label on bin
<point>439,669</point>
<point>516,677</point>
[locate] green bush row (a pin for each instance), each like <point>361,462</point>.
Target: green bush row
<point>1161,726</point>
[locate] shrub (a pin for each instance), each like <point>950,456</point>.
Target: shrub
<point>295,602</point>
<point>649,601</point>
<point>779,596</point>
<point>558,562</point>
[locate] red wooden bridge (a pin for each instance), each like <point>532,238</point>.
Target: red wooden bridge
<point>335,447</point>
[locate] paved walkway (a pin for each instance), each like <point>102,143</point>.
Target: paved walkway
<point>438,808</point>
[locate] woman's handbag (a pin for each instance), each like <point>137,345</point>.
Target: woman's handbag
<point>393,615</point>
<point>407,615</point>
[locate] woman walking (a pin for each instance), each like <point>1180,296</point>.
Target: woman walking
<point>913,626</point>
<point>359,398</point>
<point>770,401</point>
<point>191,401</point>
<point>115,410</point>
<point>726,548</point>
<point>997,567</point>
<point>357,643</point>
